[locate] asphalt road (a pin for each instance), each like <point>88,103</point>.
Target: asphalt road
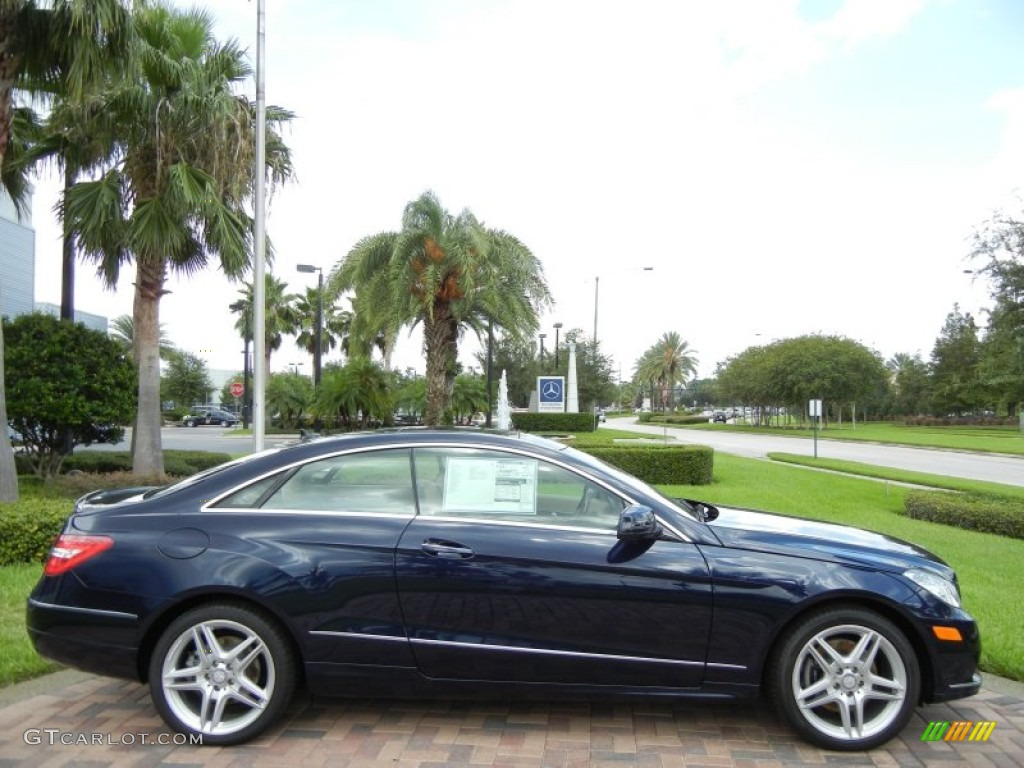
<point>995,468</point>
<point>223,439</point>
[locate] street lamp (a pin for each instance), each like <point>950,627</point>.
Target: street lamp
<point>542,337</point>
<point>558,327</point>
<point>318,349</point>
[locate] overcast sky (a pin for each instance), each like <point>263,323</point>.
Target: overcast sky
<point>785,167</point>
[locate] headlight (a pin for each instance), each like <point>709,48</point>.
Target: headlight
<point>945,590</point>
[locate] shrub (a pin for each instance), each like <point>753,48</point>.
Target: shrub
<point>975,512</point>
<point>28,528</point>
<point>554,422</point>
<point>677,418</point>
<point>180,463</point>
<point>664,465</point>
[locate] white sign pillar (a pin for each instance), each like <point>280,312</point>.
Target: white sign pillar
<point>572,403</point>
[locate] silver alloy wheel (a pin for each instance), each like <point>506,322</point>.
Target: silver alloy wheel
<point>218,677</point>
<point>849,682</point>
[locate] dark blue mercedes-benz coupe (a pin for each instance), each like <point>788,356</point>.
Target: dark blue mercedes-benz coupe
<point>475,563</point>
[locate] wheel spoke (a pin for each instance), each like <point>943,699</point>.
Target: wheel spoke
<point>866,650</point>
<point>816,695</point>
<point>250,694</point>
<point>208,644</point>
<point>884,689</point>
<point>820,644</point>
<point>185,679</point>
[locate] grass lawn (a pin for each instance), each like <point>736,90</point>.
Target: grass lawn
<point>18,661</point>
<point>985,439</point>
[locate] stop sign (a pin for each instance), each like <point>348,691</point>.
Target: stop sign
<point>237,389</point>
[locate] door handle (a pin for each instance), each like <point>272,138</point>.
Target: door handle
<point>447,550</point>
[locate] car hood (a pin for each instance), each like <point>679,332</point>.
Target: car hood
<point>765,532</point>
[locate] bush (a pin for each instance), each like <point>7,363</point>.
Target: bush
<point>28,528</point>
<point>664,465</point>
<point>554,422</point>
<point>975,512</point>
<point>179,463</point>
<point>676,418</point>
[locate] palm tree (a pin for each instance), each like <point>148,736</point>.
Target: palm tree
<point>176,197</point>
<point>280,318</point>
<point>123,329</point>
<point>667,363</point>
<point>337,323</point>
<point>55,45</point>
<point>449,273</point>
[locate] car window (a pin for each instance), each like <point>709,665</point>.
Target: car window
<point>494,485</point>
<point>371,481</point>
<point>249,497</point>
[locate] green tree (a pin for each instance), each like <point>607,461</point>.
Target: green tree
<point>70,380</point>
<point>58,45</point>
<point>469,397</point>
<point>187,380</point>
<point>177,195</point>
<point>954,366</point>
<point>999,248</point>
<point>337,323</point>
<point>279,316</point>
<point>355,394</point>
<point>667,363</point>
<point>123,330</point>
<point>289,397</point>
<point>450,274</point>
<point>910,390</point>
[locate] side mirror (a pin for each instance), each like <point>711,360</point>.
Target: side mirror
<point>638,523</point>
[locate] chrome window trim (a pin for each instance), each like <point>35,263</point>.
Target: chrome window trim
<point>208,506</point>
<point>75,609</point>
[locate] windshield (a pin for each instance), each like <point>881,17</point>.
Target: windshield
<point>192,479</point>
<point>632,482</point>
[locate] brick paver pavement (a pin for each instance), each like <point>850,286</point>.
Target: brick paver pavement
<point>72,707</point>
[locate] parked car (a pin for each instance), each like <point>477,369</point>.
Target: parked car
<point>720,417</point>
<point>201,415</point>
<point>474,563</point>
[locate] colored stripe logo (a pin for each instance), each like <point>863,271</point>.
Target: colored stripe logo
<point>960,730</point>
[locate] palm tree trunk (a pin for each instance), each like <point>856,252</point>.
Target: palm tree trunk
<point>147,451</point>
<point>440,345</point>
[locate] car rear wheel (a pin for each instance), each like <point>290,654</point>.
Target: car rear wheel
<point>223,671</point>
<point>846,678</point>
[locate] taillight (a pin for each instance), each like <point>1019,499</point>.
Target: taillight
<point>71,550</point>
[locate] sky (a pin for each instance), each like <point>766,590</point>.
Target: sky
<point>783,167</point>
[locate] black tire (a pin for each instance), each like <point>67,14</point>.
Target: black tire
<point>856,673</point>
<point>255,689</point>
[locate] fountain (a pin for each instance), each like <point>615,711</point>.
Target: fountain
<point>504,411</point>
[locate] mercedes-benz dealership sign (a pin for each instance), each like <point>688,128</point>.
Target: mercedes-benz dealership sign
<point>550,393</point>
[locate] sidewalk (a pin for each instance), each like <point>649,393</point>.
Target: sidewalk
<point>105,722</point>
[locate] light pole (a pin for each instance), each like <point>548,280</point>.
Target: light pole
<point>318,341</point>
<point>542,337</point>
<point>490,361</point>
<point>558,327</point>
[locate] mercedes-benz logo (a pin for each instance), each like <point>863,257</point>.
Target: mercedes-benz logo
<point>551,390</point>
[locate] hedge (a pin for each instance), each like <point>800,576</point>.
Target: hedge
<point>28,528</point>
<point>176,463</point>
<point>554,422</point>
<point>664,465</point>
<point>974,512</point>
<point>675,418</point>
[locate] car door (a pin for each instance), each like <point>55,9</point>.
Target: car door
<point>331,526</point>
<point>512,571</point>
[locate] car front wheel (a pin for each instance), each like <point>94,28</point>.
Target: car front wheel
<point>223,671</point>
<point>846,678</point>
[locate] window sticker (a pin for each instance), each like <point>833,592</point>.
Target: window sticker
<point>490,485</point>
